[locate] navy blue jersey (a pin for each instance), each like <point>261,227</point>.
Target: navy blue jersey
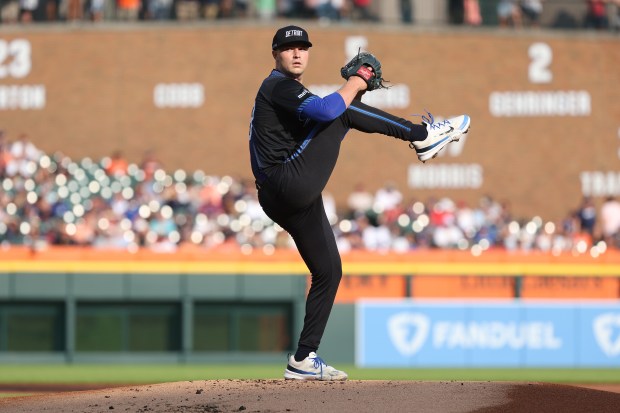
<point>277,129</point>
<point>287,116</point>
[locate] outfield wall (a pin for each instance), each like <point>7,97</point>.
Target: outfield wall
<point>545,105</point>
<point>83,305</point>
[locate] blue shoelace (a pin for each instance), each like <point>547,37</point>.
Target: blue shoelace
<point>318,363</point>
<point>430,120</point>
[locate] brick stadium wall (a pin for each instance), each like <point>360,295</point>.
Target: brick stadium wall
<point>99,96</point>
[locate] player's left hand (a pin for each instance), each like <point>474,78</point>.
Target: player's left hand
<point>366,66</point>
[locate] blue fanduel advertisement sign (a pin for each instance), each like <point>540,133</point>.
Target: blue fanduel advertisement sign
<point>451,334</point>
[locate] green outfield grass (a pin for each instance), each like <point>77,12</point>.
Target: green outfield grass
<point>143,374</point>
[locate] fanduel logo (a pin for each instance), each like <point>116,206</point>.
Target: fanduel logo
<point>604,327</point>
<point>409,333</point>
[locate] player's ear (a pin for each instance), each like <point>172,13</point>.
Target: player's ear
<point>274,53</point>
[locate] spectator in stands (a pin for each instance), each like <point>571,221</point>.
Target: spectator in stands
<point>374,237</point>
<point>471,13</point>
<point>23,157</point>
<point>286,8</point>
<point>159,9</point>
<point>464,12</point>
<point>329,203</point>
<point>117,164</point>
<point>329,10</point>
<point>126,10</point>
<point>532,9</point>
<point>241,8</point>
<point>610,221</point>
<point>406,11</point>
<point>211,199</point>
<point>253,210</point>
<point>362,11</point>
<point>75,10</point>
<point>210,9</point>
<point>360,201</point>
<point>615,15</point>
<point>587,216</point>
<point>96,9</point>
<point>119,205</point>
<point>596,14</point>
<point>114,235</point>
<point>232,9</point>
<point>446,233</point>
<point>85,229</point>
<point>150,163</point>
<point>402,241</point>
<point>582,242</point>
<point>9,11</point>
<point>5,153</point>
<point>561,241</point>
<point>27,9</point>
<point>387,198</point>
<point>162,234</point>
<point>456,11</point>
<point>570,225</point>
<point>508,13</point>
<point>52,8</point>
<point>442,213</point>
<point>465,219</point>
<point>226,9</point>
<point>544,239</point>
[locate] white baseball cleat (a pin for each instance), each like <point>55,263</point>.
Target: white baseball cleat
<point>440,134</point>
<point>311,368</point>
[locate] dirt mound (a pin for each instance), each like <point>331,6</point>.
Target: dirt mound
<point>351,396</point>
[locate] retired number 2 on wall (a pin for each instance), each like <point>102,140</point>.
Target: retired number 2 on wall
<point>541,56</point>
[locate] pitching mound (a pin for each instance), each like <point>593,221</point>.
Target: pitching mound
<point>350,396</point>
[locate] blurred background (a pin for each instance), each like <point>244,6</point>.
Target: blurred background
<point>130,230</point>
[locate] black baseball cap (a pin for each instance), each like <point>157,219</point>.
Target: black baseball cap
<point>290,34</point>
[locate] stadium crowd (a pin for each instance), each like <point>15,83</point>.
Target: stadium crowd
<point>597,14</point>
<point>111,203</point>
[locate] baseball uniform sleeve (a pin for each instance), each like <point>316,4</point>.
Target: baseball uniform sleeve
<point>294,98</point>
